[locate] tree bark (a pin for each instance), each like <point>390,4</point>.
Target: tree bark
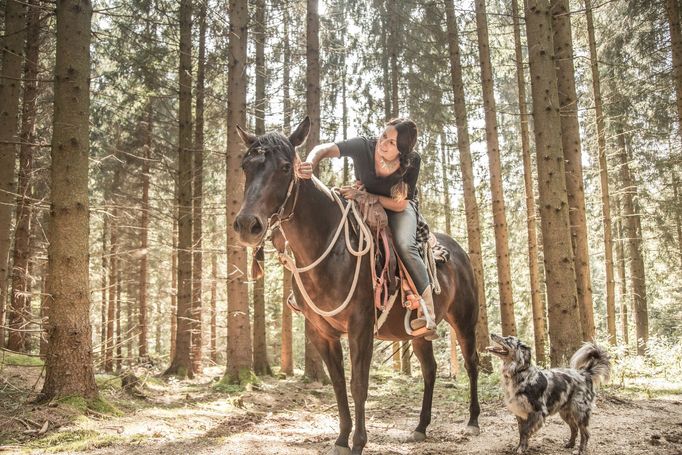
<point>103,281</point>
<point>174,288</point>
<point>633,234</point>
<point>113,281</point>
<point>239,348</point>
<point>537,299</point>
<point>313,362</point>
<point>144,236</point>
<point>570,135</point>
<point>68,363</point>
<point>198,201</point>
<point>405,355</point>
<point>603,178</point>
<point>678,213</point>
<point>499,218</point>
<point>672,9</point>
<point>21,289</point>
<point>563,313</point>
<point>287,352</point>
<point>214,311</point>
<point>260,355</point>
<point>620,261</point>
<point>466,165</point>
<point>181,364</point>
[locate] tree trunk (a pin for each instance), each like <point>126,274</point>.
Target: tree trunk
<point>470,204</point>
<point>198,200</point>
<point>239,350</point>
<point>634,239</point>
<point>603,179</point>
<point>68,363</point>
<point>21,289</point>
<point>214,312</point>
<point>537,299</point>
<point>105,271</point>
<point>570,136</point>
<point>499,217</point>
<point>672,8</point>
<point>144,236</point>
<point>446,185</point>
<point>620,261</point>
<point>260,355</point>
<point>405,355</point>
<point>12,54</point>
<point>313,361</point>
<point>119,335</point>
<point>113,282</point>
<point>678,213</point>
<point>287,353</point>
<point>181,364</point>
<point>174,289</point>
<point>563,312</point>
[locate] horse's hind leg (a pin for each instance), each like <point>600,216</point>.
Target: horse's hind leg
<point>466,336</point>
<point>332,355</point>
<point>424,351</point>
<point>360,344</point>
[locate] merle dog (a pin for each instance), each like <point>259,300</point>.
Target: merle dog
<point>532,393</point>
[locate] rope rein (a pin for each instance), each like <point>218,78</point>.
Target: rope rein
<point>365,245</point>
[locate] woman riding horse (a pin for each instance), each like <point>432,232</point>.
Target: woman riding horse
<point>387,169</point>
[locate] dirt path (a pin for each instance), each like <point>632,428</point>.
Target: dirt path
<point>289,417</point>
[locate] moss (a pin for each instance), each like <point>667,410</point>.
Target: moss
<point>73,441</point>
<point>244,379</point>
<point>98,405</point>
<point>108,381</point>
<point>20,360</point>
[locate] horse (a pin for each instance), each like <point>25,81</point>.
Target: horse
<point>304,217</point>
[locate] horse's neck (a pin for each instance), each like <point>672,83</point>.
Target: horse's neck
<point>315,220</point>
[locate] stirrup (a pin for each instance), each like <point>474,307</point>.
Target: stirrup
<point>424,332</point>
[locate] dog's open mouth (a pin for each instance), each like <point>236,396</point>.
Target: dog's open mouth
<point>497,349</point>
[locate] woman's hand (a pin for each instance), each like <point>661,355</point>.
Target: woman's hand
<point>304,170</point>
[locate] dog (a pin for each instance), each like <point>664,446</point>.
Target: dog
<point>532,393</point>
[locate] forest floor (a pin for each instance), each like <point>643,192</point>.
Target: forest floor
<point>288,416</point>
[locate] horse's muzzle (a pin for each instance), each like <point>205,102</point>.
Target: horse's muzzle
<point>250,229</point>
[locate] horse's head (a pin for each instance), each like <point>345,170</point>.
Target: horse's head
<point>269,169</point>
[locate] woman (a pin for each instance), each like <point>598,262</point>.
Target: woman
<point>388,168</point>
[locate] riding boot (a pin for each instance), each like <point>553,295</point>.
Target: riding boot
<point>428,319</point>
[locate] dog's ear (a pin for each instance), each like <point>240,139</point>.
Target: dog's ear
<point>525,353</point>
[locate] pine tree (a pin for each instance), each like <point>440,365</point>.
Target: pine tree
<point>68,363</point>
<point>562,302</point>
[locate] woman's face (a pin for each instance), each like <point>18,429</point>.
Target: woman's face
<point>387,144</point>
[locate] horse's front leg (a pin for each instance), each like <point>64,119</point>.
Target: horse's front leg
<point>332,354</point>
<point>360,344</point>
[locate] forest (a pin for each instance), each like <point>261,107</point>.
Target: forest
<point>134,319</point>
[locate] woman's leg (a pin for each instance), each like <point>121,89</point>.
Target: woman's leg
<point>404,228</point>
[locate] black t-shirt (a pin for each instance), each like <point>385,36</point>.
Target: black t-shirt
<point>361,150</point>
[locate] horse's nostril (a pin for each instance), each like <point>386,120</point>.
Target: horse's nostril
<point>256,226</point>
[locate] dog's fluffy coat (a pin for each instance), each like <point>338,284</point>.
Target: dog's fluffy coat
<point>532,393</point>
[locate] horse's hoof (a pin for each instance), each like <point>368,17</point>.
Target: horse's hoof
<point>338,450</point>
<point>472,430</point>
<point>418,436</point>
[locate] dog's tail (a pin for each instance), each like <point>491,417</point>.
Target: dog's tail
<point>594,361</point>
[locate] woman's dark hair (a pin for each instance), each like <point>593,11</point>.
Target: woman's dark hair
<point>405,142</point>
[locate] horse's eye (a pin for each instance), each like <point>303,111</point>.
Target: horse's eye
<point>286,167</point>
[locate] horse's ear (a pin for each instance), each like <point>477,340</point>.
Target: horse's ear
<point>300,133</point>
<point>247,137</point>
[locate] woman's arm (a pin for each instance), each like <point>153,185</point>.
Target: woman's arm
<point>305,169</point>
<point>391,204</point>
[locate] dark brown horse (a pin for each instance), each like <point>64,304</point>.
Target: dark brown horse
<point>302,212</point>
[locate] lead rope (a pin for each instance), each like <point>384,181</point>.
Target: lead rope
<point>365,245</point>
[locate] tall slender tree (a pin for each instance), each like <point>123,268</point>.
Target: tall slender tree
<point>603,177</point>
<point>21,290</point>
<point>198,200</point>
<point>11,59</point>
<point>563,313</point>
<point>313,362</point>
<point>260,355</point>
<point>537,299</point>
<point>466,165</point>
<point>239,347</point>
<point>68,364</point>
<point>181,361</point>
<point>570,135</point>
<point>673,12</point>
<point>495,167</point>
